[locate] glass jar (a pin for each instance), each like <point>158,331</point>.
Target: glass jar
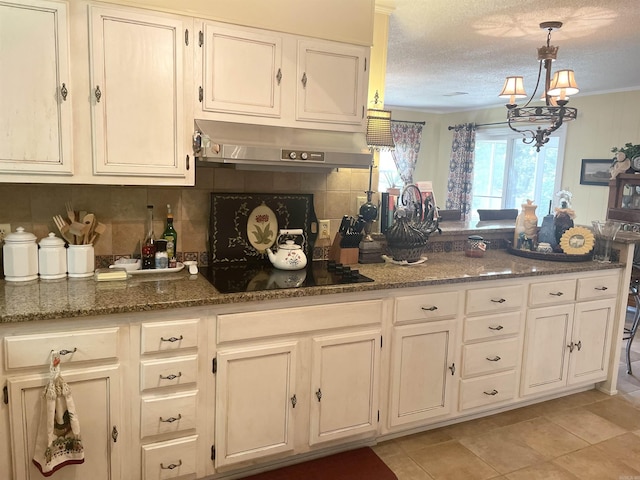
<point>475,246</point>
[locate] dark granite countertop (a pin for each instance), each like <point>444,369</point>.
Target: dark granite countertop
<point>67,298</point>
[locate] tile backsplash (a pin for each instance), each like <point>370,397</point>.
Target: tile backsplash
<point>123,208</point>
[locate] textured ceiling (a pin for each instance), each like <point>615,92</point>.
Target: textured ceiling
<point>440,47</point>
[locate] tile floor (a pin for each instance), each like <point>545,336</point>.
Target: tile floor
<point>588,435</point>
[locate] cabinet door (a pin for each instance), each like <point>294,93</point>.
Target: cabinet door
<point>255,394</point>
<point>422,370</point>
<point>35,93</point>
<point>591,337</point>
<point>331,82</point>
<point>96,393</point>
<point>344,383</point>
<point>137,96</point>
<point>242,71</point>
<point>547,348</point>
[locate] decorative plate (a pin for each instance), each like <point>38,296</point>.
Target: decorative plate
<point>635,163</point>
<point>577,241</point>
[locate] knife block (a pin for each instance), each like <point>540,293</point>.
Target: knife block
<point>345,256</point>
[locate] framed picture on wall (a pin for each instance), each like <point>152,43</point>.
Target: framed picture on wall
<point>595,171</point>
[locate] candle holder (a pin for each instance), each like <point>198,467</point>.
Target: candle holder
<point>368,210</point>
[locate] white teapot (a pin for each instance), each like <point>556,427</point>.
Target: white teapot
<point>290,255</point>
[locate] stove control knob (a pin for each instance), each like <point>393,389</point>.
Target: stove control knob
<point>304,155</point>
<point>292,155</point>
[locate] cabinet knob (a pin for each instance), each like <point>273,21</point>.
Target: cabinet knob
<point>279,76</point>
<point>64,92</point>
<point>98,93</point>
<point>453,368</point>
<point>304,80</point>
<point>294,400</point>
<point>114,434</point>
<point>319,394</point>
<point>571,346</point>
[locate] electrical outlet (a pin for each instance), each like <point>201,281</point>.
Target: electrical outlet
<point>324,228</point>
<point>5,229</point>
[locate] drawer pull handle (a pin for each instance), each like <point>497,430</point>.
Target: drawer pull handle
<point>432,308</point>
<point>493,359</point>
<point>500,300</point>
<point>171,377</point>
<point>602,289</point>
<point>171,466</point>
<point>453,368</point>
<point>64,351</point>
<point>171,419</point>
<point>492,392</point>
<point>172,339</point>
<point>557,294</point>
<point>499,327</point>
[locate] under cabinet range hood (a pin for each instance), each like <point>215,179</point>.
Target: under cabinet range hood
<point>282,148</point>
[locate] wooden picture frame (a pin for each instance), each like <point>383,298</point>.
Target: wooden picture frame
<point>595,171</point>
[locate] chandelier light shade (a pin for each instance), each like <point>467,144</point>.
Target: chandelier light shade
<point>554,112</point>
<point>379,129</point>
<point>563,84</point>
<point>513,88</point>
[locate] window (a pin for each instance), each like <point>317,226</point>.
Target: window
<point>389,176</point>
<point>507,171</point>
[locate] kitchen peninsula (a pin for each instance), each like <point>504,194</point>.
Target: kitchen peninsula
<point>421,346</point>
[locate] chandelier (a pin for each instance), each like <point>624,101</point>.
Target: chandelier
<point>557,89</point>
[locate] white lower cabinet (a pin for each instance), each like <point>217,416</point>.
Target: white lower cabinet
<point>570,344</point>
<point>567,344</point>
<point>302,391</point>
<point>90,366</point>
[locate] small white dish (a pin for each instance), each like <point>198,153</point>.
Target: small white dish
<point>129,264</point>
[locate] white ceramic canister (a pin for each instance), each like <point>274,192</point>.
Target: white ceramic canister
<point>20,254</point>
<point>52,258</point>
<point>80,261</point>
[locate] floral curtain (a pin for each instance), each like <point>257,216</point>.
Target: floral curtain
<point>459,186</point>
<point>406,136</point>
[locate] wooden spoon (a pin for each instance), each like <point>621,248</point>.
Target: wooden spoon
<point>99,229</point>
<point>89,225</point>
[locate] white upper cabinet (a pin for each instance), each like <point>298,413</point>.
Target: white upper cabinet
<point>331,80</point>
<point>258,76</point>
<point>136,95</point>
<point>242,71</point>
<point>35,90</point>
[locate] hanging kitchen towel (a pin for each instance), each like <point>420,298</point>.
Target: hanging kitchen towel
<point>58,441</point>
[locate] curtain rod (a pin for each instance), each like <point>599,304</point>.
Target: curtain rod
<point>407,121</point>
<point>482,125</point>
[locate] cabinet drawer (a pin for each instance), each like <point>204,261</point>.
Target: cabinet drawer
<point>549,293</point>
<point>35,350</point>
<point>168,372</point>
<point>493,326</point>
<point>433,306</point>
<point>598,287</point>
<point>170,459</point>
<point>168,414</point>
<point>487,390</point>
<point>489,357</point>
<point>167,336</point>
<point>498,299</point>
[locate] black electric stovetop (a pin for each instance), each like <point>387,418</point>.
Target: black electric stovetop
<point>257,277</point>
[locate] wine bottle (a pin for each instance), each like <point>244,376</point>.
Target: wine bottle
<point>149,243</point>
<point>170,235</point>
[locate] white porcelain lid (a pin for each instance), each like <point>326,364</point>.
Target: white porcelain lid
<point>20,236</point>
<point>51,241</point>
